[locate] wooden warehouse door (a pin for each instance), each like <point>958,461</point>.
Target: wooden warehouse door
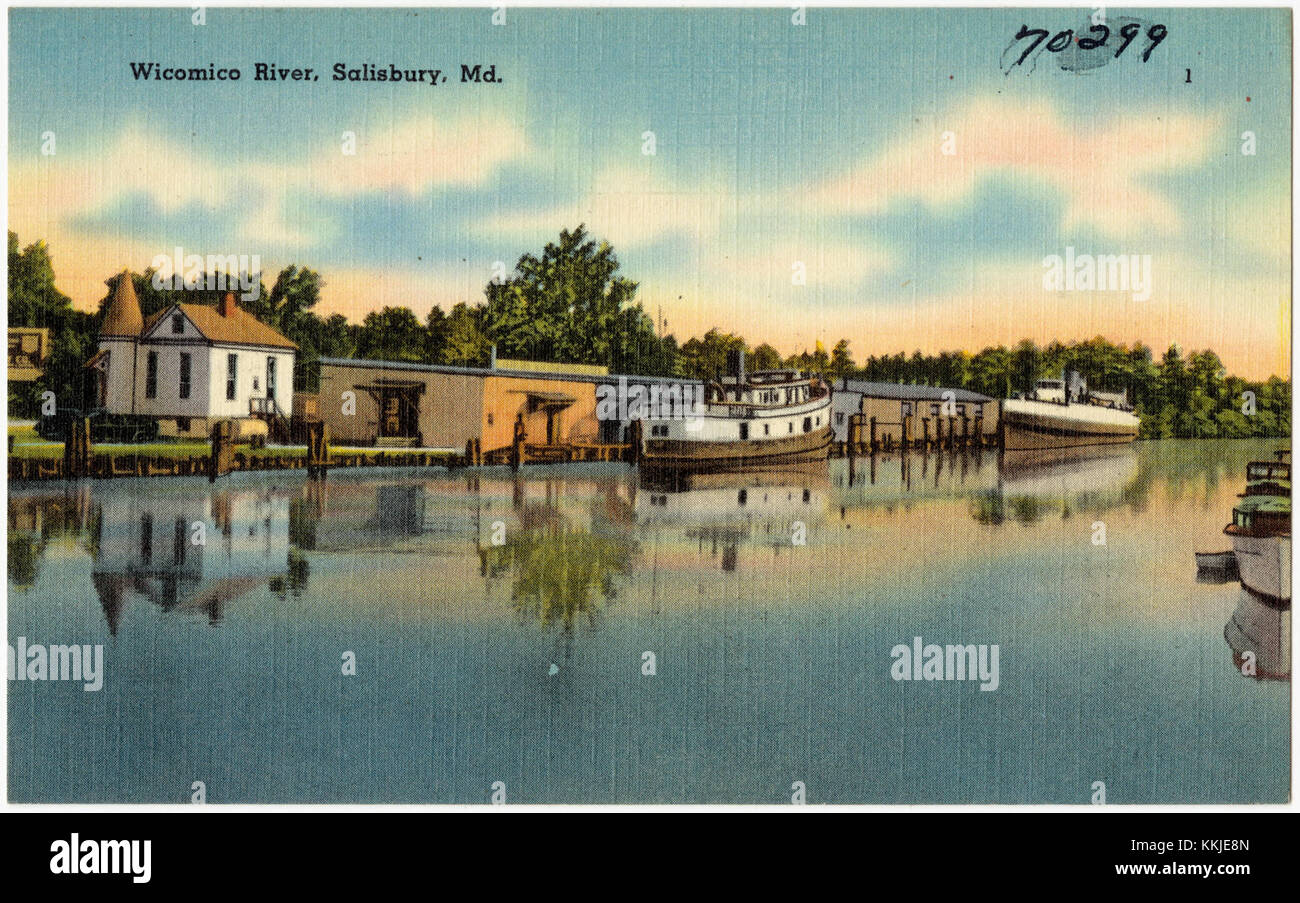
<point>398,413</point>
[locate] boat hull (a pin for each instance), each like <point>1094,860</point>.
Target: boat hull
<point>1035,425</point>
<point>1264,563</point>
<point>687,456</point>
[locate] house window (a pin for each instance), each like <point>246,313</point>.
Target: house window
<point>907,409</point>
<point>744,431</point>
<point>232,367</point>
<point>185,375</point>
<point>767,429</point>
<point>182,424</point>
<point>151,376</point>
<point>489,418</point>
<point>934,410</point>
<point>270,377</point>
<point>839,418</point>
<point>178,324</point>
<point>807,424</point>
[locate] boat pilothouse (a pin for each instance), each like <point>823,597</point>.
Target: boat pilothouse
<point>746,420</point>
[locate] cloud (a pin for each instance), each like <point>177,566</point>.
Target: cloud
<point>417,155</point>
<point>265,207</point>
<point>1101,167</point>
<point>629,206</point>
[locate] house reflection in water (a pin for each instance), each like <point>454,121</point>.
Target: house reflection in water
<point>190,552</point>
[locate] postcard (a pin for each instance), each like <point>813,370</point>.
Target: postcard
<point>649,405</point>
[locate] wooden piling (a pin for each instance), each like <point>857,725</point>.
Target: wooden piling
<point>76,449</point>
<point>318,448</point>
<point>223,450</point>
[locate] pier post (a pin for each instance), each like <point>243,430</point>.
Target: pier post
<point>854,445</point>
<point>908,437</point>
<point>318,448</point>
<point>76,449</point>
<point>925,433</point>
<point>965,431</point>
<point>874,445</point>
<point>979,430</point>
<point>223,450</point>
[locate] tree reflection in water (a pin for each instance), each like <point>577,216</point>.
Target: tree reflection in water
<point>561,572</point>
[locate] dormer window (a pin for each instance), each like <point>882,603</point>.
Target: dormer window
<point>178,324</point>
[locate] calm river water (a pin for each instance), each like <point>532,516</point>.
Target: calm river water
<point>571,636</point>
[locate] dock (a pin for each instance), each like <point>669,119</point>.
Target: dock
<point>868,436</point>
<point>82,460</point>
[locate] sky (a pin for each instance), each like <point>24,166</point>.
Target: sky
<point>881,176</point>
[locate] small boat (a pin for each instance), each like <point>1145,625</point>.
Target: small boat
<point>1261,530</point>
<point>1216,561</point>
<point>763,419</point>
<point>1062,413</point>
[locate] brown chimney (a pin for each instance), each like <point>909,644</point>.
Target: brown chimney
<point>228,304</point>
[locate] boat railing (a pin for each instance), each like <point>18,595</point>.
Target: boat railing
<point>1268,470</point>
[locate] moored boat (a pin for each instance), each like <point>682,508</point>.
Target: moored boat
<point>1064,414</point>
<point>1216,561</point>
<point>1261,539</point>
<point>1261,530</point>
<point>762,419</point>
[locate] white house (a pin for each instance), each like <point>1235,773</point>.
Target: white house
<point>190,364</point>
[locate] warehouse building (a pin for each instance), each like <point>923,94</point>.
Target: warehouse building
<point>393,404</point>
<point>911,413</point>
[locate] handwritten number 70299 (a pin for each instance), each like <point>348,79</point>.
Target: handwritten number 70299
<point>1062,39</point>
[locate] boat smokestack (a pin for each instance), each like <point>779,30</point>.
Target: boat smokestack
<point>492,359</point>
<point>736,363</point>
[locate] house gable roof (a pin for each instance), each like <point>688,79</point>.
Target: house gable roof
<point>240,328</point>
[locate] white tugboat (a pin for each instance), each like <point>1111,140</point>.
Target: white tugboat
<point>1062,413</point>
<point>762,419</point>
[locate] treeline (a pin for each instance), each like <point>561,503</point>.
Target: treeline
<point>571,304</point>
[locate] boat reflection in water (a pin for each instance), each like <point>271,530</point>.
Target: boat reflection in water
<point>775,507</point>
<point>1259,634</point>
<point>1034,484</point>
